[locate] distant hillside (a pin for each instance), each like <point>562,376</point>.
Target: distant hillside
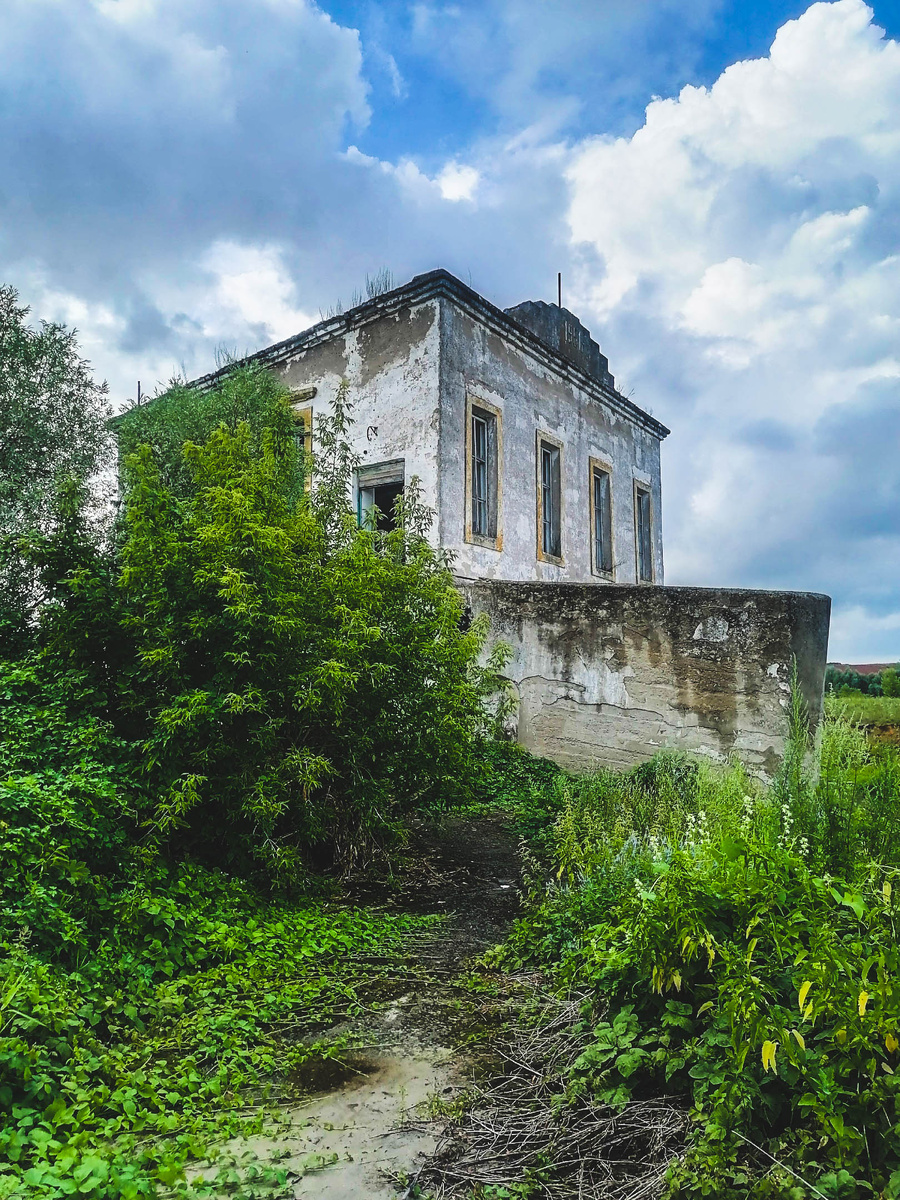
<point>862,668</point>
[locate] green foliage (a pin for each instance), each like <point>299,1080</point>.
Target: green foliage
<point>52,430</point>
<point>890,682</point>
<point>66,812</point>
<point>851,682</point>
<point>239,678</point>
<point>141,1009</point>
<point>739,948</point>
<point>305,681</point>
<point>197,1003</point>
<point>245,394</point>
<point>867,710</point>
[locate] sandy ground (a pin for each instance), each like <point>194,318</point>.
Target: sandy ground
<point>355,1142</point>
<point>366,1137</point>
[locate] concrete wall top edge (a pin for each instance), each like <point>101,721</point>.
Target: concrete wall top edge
<point>646,591</point>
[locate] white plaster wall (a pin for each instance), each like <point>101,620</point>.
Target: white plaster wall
<point>532,397</point>
<point>409,373</point>
<point>392,368</point>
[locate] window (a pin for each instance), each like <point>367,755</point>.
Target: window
<point>549,499</point>
<point>303,415</point>
<point>480,500</point>
<point>304,419</point>
<point>642,534</point>
<point>601,520</point>
<point>378,487</point>
<point>482,473</point>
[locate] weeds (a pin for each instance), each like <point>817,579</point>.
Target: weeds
<point>737,945</point>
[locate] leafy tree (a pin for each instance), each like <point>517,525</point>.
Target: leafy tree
<point>186,414</point>
<point>304,681</point>
<point>52,430</point>
<point>890,682</point>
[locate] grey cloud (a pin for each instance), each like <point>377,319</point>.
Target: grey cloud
<point>135,139</point>
<point>768,434</point>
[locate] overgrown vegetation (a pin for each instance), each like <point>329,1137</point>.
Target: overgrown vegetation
<point>206,704</point>
<point>870,710</point>
<point>736,948</point>
<point>218,704</point>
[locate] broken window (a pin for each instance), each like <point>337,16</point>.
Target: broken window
<point>549,499</point>
<point>601,520</point>
<point>643,536</point>
<point>378,487</point>
<point>483,479</point>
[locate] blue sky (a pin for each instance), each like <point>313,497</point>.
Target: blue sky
<point>718,182</point>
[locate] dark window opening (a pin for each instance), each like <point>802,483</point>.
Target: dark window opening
<point>383,498</point>
<point>644,540</point>
<point>603,557</point>
<point>551,543</point>
<point>378,487</point>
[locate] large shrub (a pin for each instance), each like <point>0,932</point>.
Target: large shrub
<point>304,681</point>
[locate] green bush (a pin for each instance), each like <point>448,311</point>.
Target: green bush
<point>244,395</point>
<point>67,812</point>
<point>304,681</point>
<point>738,948</point>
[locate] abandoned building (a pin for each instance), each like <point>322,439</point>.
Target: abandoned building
<point>535,466</point>
<point>545,483</point>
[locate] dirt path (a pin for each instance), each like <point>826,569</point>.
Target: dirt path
<point>354,1139</point>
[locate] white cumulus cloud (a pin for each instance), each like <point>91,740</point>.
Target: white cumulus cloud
<point>744,272</point>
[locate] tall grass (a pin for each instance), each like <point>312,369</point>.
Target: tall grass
<point>748,933</point>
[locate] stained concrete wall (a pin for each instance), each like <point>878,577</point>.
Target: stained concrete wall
<point>607,676</point>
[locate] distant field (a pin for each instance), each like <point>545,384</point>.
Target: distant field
<point>871,709</point>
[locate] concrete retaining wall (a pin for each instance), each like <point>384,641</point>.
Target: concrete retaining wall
<point>609,675</point>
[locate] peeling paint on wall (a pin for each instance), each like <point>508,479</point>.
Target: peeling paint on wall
<point>607,676</point>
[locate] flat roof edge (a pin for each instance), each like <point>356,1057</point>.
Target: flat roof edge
<point>432,285</point>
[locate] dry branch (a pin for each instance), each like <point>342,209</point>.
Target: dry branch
<point>521,1127</point>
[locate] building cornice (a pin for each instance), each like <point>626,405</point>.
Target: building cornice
<point>435,285</point>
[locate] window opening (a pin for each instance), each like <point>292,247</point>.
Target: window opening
<point>644,542</point>
<point>377,490</point>
<point>603,557</point>
<point>483,475</point>
<point>550,500</point>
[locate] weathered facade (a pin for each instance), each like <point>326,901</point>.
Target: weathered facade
<point>610,675</point>
<point>545,480</point>
<point>535,466</point>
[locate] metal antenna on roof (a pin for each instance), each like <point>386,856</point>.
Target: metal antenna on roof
<point>559,288</point>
